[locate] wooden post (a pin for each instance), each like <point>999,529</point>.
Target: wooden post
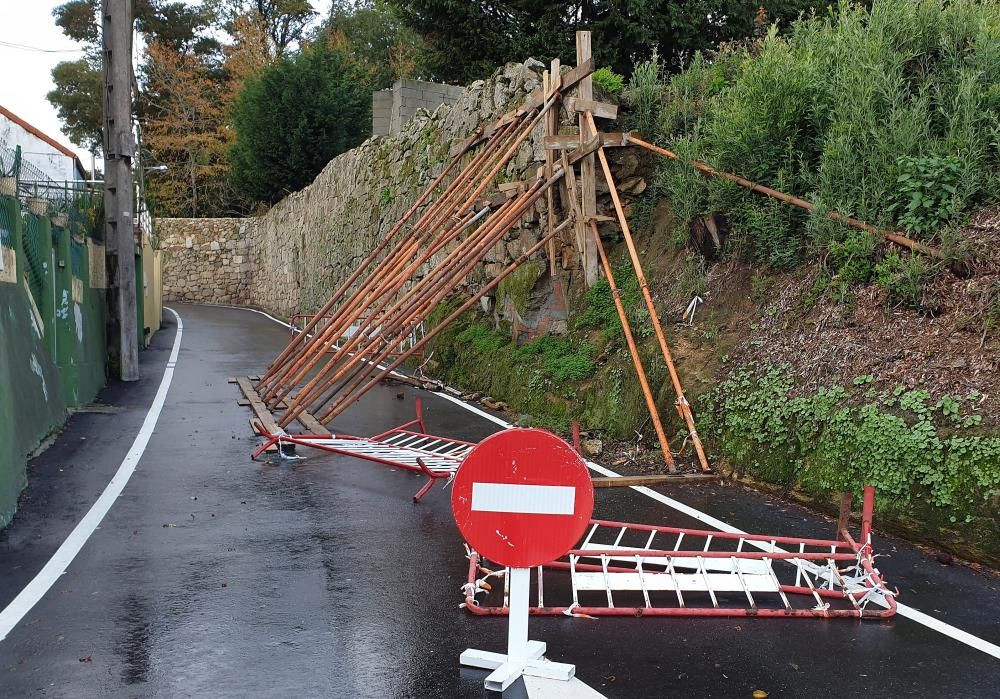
<point>588,181</point>
<point>579,227</point>
<point>550,82</point>
<point>119,228</point>
<point>683,407</point>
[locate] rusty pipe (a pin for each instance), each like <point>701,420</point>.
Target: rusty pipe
<point>897,238</point>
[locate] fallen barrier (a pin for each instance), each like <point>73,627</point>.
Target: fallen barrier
<point>617,571</point>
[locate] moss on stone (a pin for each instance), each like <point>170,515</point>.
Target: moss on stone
<point>517,286</point>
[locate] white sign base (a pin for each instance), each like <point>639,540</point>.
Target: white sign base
<point>523,657</point>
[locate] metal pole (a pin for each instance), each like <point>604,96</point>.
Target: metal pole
<point>683,407</point>
<point>123,339</point>
<point>633,349</point>
<point>897,238</point>
<point>346,401</point>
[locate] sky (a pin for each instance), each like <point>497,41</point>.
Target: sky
<point>26,74</point>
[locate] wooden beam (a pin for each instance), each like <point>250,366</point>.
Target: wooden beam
<point>568,141</point>
<point>257,405</point>
<point>655,479</point>
<point>602,110</point>
<point>551,83</point>
<point>588,172</point>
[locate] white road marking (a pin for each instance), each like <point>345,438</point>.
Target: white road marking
<point>903,610</point>
<point>542,688</point>
<point>523,499</point>
<point>67,551</point>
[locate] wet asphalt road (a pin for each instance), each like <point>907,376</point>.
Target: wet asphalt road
<point>214,576</point>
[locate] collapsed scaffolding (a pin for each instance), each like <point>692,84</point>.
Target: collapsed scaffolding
<point>378,318</point>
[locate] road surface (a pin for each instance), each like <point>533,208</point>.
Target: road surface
<point>214,576</point>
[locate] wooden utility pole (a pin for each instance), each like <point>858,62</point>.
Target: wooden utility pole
<point>588,179</point>
<point>119,226</point>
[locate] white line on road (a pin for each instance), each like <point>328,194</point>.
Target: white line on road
<point>64,555</point>
<point>901,609</point>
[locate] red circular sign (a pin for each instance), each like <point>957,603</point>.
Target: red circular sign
<point>522,497</point>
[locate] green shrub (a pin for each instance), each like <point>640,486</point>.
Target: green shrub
<point>902,276</point>
<point>888,114</point>
<point>610,82</point>
<point>928,193</point>
<point>599,311</point>
<point>835,439</point>
<point>643,95</point>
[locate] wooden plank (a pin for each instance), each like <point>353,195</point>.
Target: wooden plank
<point>312,425</point>
<point>242,402</point>
<point>263,414</point>
<point>492,201</point>
<point>551,127</point>
<point>569,176</point>
<point>519,186</point>
<point>656,479</point>
<point>584,150</point>
<point>588,179</point>
<point>568,141</point>
<point>602,110</point>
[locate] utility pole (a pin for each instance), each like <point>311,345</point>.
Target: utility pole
<point>119,226</point>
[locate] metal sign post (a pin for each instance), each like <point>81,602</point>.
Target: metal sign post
<point>521,498</point>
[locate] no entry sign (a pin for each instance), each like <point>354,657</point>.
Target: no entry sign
<point>522,497</point>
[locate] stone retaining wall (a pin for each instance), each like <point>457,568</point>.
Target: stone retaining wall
<point>206,260</point>
<point>292,258</point>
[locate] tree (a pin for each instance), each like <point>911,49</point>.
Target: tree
<point>467,40</point>
<point>284,21</point>
<point>186,128</point>
<point>77,99</point>
<point>379,38</point>
<point>77,96</point>
<point>77,93</point>
<point>296,116</point>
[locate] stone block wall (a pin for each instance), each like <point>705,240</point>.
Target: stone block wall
<point>206,260</point>
<point>292,258</point>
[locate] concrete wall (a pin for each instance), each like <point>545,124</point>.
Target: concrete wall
<point>392,108</point>
<point>50,160</point>
<point>52,334</point>
<point>292,258</point>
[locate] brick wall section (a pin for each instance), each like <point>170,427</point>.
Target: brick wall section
<point>205,260</point>
<point>381,112</point>
<point>392,108</point>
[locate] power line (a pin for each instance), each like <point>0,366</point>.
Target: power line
<point>25,47</point>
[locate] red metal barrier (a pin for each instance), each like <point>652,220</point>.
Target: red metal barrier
<point>700,573</point>
<point>408,447</point>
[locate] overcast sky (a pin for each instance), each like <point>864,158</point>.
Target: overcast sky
<point>26,74</point>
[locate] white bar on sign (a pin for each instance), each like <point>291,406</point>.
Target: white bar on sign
<point>523,499</point>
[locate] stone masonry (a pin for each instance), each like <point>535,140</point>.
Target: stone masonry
<point>206,260</point>
<point>292,258</point>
